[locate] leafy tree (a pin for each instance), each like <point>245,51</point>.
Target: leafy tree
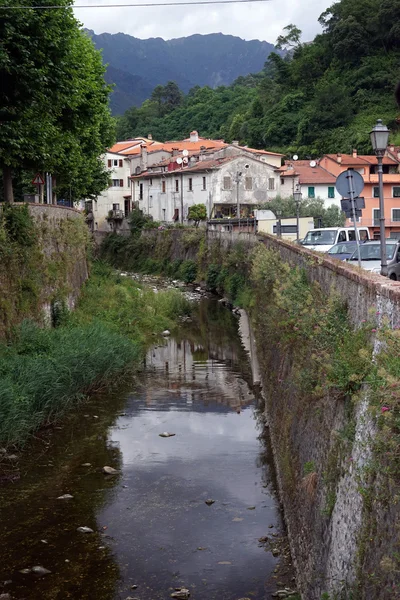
<point>290,40</point>
<point>54,99</point>
<point>330,216</point>
<point>197,213</point>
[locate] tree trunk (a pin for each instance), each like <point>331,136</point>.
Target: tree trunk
<point>7,184</point>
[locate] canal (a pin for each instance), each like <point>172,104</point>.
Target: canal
<point>194,510</point>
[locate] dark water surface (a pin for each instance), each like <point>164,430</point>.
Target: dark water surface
<point>152,527</point>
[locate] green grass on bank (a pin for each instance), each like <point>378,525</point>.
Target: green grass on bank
<point>45,372</point>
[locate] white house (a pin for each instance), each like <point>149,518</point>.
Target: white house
<point>221,182</point>
<point>165,179</point>
<point>314,181</point>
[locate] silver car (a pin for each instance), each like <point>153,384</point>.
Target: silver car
<point>370,253</point>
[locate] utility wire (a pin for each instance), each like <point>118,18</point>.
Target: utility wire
<point>141,4</point>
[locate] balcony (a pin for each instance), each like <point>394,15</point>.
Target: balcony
<point>116,215</point>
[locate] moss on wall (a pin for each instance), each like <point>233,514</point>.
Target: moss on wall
<point>42,259</point>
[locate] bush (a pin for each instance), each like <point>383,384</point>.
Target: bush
<point>213,275</point>
<point>188,271</point>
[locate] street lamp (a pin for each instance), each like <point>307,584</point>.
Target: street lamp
<point>379,140</point>
<point>297,195</point>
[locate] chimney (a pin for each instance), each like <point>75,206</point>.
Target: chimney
<point>194,136</point>
<point>235,143</point>
<point>149,137</point>
<point>175,151</point>
<point>339,157</point>
<point>354,152</point>
<point>143,157</point>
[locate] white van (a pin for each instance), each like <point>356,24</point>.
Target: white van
<point>323,239</point>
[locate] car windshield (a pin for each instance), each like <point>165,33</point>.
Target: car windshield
<point>344,248</point>
<point>320,237</point>
<point>373,252</point>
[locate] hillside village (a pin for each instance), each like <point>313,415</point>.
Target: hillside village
<point>164,180</point>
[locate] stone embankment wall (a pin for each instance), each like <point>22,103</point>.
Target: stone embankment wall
<point>44,263</point>
<point>343,523</point>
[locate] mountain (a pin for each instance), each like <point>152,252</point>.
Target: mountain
<point>136,66</point>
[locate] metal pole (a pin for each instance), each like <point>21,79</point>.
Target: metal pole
<point>297,221</point>
<point>353,210</point>
<point>237,199</point>
<point>384,270</point>
<point>182,198</point>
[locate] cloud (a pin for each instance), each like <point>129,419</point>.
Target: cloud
<point>263,21</point>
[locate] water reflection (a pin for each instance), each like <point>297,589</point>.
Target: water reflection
<point>152,526</point>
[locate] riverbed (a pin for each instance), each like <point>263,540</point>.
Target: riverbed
<point>195,510</point>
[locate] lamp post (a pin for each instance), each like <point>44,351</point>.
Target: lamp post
<point>379,140</point>
<point>297,195</point>
<point>237,180</point>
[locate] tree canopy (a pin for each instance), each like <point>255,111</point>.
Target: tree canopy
<point>54,101</point>
<point>319,96</point>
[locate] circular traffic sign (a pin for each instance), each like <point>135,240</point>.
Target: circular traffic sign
<point>350,181</point>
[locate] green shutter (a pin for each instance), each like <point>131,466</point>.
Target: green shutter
<point>311,192</point>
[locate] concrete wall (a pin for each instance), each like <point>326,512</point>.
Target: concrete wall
<point>33,277</point>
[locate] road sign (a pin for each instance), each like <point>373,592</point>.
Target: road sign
<point>38,180</point>
<point>359,204</point>
<point>349,182</point>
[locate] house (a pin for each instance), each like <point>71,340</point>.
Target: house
<point>314,180</point>
<point>221,177</point>
<point>367,166</point>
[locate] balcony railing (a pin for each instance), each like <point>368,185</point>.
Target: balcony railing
<point>117,214</point>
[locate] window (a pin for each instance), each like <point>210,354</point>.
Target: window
<point>115,162</point>
<point>120,162</point>
<point>204,183</point>
<point>141,191</point>
<point>176,215</point>
<point>163,187</point>
<point>282,181</point>
<point>376,213</point>
<point>128,183</point>
<point>396,214</point>
<point>331,192</point>
<point>342,236</point>
<point>311,192</point>
<point>150,201</point>
<point>163,214</point>
<point>109,163</point>
<point>115,206</point>
<point>396,192</point>
<point>248,184</point>
<point>227,183</point>
<point>177,185</point>
<point>117,183</point>
<point>271,183</point>
<point>190,184</point>
<point>375,192</point>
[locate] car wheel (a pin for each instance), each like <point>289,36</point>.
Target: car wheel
<point>393,276</point>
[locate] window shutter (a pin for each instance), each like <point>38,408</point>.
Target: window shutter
<point>121,183</point>
<point>109,163</point>
<point>120,162</point>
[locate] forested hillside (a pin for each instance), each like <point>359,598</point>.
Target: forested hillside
<point>322,96</point>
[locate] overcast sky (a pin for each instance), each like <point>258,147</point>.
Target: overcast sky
<point>263,21</point>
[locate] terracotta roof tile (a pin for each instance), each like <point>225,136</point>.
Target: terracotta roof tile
<point>308,174</point>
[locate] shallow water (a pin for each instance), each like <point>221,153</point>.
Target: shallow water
<point>152,527</point>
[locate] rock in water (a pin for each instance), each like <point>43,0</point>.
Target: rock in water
<point>110,471</point>
<point>65,497</point>
<point>181,593</point>
<point>166,434</point>
<point>85,530</point>
<point>209,502</point>
<point>38,570</point>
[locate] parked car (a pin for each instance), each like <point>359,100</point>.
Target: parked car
<point>324,238</point>
<point>342,251</point>
<point>370,254</point>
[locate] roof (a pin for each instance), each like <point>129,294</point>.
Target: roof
<point>307,173</point>
<point>202,165</point>
<point>255,151</point>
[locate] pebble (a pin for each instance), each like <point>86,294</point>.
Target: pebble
<point>85,530</point>
<point>86,465</point>
<point>65,497</point>
<point>251,508</point>
<point>165,434</point>
<point>25,571</point>
<point>41,571</point>
<point>110,471</point>
<point>181,593</point>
